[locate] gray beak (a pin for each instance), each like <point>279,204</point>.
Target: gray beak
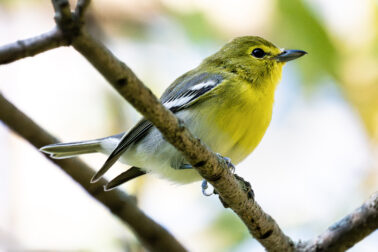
<point>288,55</point>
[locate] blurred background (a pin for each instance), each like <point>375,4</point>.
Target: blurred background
<point>317,162</point>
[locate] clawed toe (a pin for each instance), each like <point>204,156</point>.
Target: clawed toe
<point>204,187</point>
<point>245,184</point>
<point>228,162</point>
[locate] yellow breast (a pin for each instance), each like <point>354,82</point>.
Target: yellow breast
<point>236,122</point>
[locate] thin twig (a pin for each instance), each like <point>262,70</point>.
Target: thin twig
<point>81,8</point>
<point>151,234</point>
<point>348,231</point>
<point>32,46</point>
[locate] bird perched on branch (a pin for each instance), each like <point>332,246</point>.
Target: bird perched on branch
<point>226,102</point>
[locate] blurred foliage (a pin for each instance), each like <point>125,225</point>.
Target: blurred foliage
<point>133,29</point>
<point>228,230</point>
<point>296,27</point>
<point>196,26</point>
<point>294,24</point>
<point>18,2</point>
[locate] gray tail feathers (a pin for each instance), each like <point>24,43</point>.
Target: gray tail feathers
<point>130,174</point>
<point>67,150</point>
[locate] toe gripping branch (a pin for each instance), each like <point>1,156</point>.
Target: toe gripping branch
<point>229,165</point>
<point>245,184</point>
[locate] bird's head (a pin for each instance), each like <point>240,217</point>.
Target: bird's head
<point>253,58</point>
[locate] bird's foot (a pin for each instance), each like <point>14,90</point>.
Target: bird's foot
<point>185,167</point>
<point>228,162</point>
<point>204,186</point>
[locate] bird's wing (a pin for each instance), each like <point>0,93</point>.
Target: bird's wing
<point>128,175</point>
<point>135,134</point>
<point>180,95</point>
<point>185,90</point>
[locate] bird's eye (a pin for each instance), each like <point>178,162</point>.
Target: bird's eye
<point>258,53</point>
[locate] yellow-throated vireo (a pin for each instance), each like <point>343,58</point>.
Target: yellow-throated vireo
<point>226,102</point>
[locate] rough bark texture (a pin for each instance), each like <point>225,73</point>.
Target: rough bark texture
<point>341,236</point>
<point>348,231</point>
<point>32,46</point>
<point>152,235</point>
<point>211,168</point>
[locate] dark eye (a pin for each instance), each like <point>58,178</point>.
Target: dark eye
<point>258,53</point>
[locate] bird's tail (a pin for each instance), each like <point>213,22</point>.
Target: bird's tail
<point>67,150</point>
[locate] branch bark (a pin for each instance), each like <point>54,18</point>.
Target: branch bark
<point>152,235</point>
<point>213,169</point>
<point>32,46</point>
<point>348,231</point>
<point>120,76</point>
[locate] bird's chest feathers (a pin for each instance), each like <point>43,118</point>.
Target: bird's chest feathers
<point>240,118</point>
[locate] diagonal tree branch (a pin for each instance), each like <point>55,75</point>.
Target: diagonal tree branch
<point>151,234</point>
<point>213,169</point>
<point>348,231</point>
<point>260,224</point>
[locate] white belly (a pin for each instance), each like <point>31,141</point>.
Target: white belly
<point>154,155</point>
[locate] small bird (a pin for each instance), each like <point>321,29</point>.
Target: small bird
<point>226,102</point>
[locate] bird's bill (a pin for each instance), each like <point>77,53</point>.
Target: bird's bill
<point>288,55</point>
